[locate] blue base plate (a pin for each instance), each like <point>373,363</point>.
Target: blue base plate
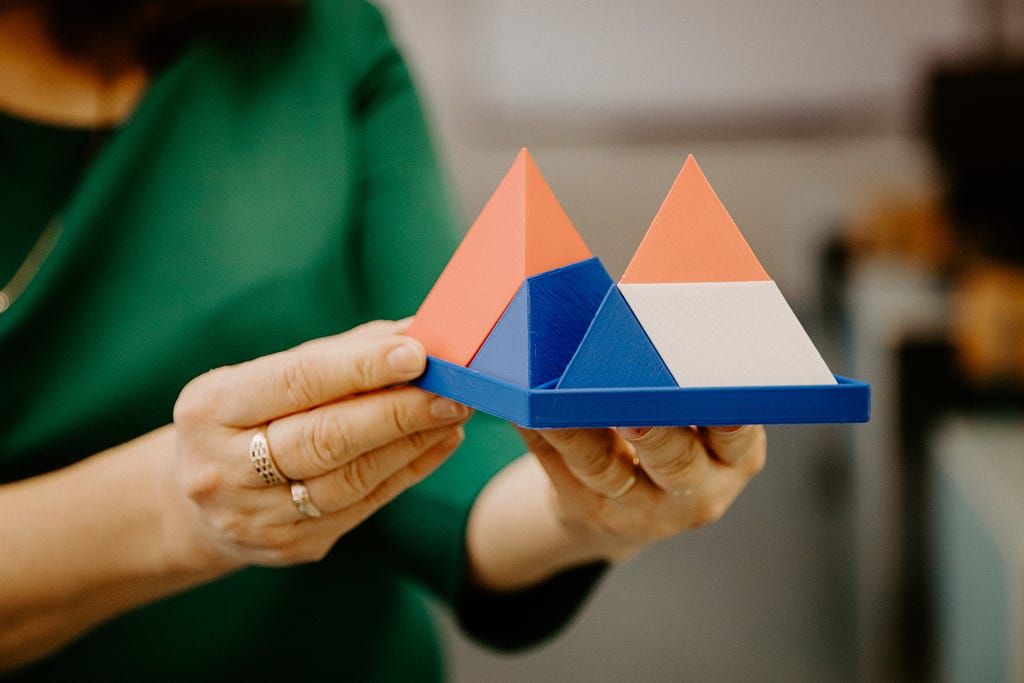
<point>546,408</point>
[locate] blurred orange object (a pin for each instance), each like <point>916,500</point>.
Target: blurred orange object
<point>913,228</point>
<point>988,322</point>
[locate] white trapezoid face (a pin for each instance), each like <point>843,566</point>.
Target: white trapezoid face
<point>727,334</point>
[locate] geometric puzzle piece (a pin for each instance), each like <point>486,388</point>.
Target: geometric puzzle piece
<point>521,231</point>
<point>616,352</point>
<point>540,329</point>
<point>727,334</point>
<point>693,239</point>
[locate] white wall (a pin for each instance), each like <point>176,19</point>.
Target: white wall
<point>785,193</point>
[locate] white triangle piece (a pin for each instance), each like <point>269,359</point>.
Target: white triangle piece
<point>727,334</point>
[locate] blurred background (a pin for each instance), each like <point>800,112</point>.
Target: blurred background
<point>872,153</point>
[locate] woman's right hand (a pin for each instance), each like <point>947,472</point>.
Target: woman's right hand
<point>336,417</point>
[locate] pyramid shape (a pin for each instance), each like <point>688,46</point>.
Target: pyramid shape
<point>693,239</point>
<point>705,302</point>
<point>526,324</point>
<point>521,231</point>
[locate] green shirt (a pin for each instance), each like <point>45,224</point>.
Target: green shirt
<point>262,194</point>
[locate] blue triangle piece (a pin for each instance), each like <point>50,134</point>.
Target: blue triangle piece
<point>616,352</point>
<point>540,329</point>
<point>505,352</point>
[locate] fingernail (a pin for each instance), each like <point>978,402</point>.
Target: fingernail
<point>446,409</point>
<point>407,359</point>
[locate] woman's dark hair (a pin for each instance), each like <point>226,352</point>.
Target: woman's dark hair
<point>157,30</point>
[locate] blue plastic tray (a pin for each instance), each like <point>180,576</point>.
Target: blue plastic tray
<point>847,401</point>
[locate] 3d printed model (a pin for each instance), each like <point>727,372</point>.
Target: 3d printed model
<point>526,324</point>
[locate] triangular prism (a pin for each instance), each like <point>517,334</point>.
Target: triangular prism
<point>521,231</point>
<point>616,352</point>
<point>693,238</point>
<point>540,329</point>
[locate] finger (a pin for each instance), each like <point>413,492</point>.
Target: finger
<point>736,446</point>
<point>266,526</point>
<point>288,382</point>
<point>353,482</point>
<point>600,459</point>
<point>374,328</point>
<point>674,458</point>
<point>406,477</point>
<point>317,441</point>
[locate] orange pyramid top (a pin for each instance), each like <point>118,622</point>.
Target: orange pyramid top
<point>522,231</point>
<point>693,239</point>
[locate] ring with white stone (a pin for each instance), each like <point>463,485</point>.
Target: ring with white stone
<point>303,503</point>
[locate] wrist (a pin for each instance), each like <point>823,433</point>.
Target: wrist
<point>589,540</point>
<point>519,533</point>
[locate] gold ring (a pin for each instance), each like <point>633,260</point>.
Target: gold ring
<point>624,489</point>
<point>304,504</point>
<point>259,454</point>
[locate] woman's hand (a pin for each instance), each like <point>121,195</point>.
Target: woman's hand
<point>603,494</point>
<point>620,489</point>
<point>184,504</point>
<point>335,417</point>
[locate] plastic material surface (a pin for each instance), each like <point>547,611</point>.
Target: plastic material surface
<point>846,401</point>
<point>696,333</point>
<point>521,231</point>
<point>722,334</point>
<point>616,352</point>
<point>693,238</point>
<point>536,335</point>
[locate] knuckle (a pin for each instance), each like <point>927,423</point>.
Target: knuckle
<point>656,438</point>
<point>708,511</point>
<point>301,382</point>
<point>199,483</point>
<point>598,462</point>
<point>233,528</point>
<point>198,400</point>
<point>678,466</point>
<point>378,497</point>
<point>354,479</point>
<point>272,542</point>
<point>364,371</point>
<point>326,440</point>
<point>433,441</point>
<point>401,413</point>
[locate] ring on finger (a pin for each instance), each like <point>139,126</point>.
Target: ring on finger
<point>303,503</point>
<point>263,461</point>
<point>622,490</point>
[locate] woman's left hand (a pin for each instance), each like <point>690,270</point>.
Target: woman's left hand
<point>619,489</point>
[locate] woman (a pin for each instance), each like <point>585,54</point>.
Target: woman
<point>190,185</point>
